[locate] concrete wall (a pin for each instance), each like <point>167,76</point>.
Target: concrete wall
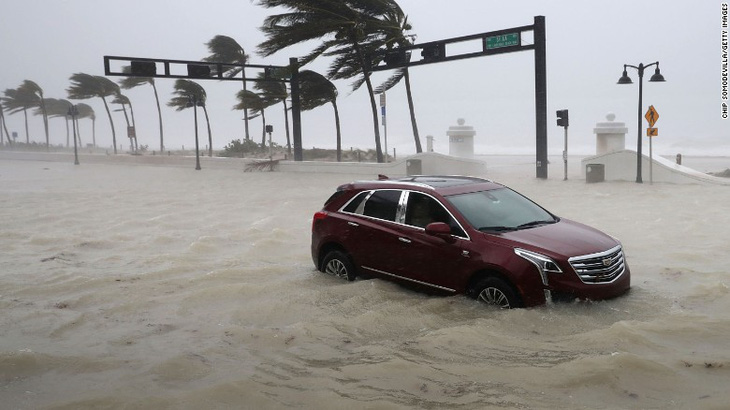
<point>621,166</point>
<point>430,163</point>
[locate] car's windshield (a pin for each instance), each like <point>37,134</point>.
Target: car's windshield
<point>499,210</point>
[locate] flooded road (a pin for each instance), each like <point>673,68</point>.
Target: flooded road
<point>168,288</point>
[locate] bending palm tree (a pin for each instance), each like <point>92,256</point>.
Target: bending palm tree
<point>185,92</point>
<point>348,27</point>
<point>316,90</point>
<point>249,100</point>
<point>5,126</point>
<point>122,100</point>
<point>85,86</point>
<point>85,111</point>
<point>131,82</point>
<point>224,49</point>
<point>17,100</point>
<point>274,92</point>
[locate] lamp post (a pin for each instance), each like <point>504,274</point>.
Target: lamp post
<point>625,79</point>
<point>73,112</point>
<point>193,102</point>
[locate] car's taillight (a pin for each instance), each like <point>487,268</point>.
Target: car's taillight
<point>318,216</point>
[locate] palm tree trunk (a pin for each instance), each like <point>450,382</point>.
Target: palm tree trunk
<point>5,126</point>
<point>78,132</point>
<point>93,131</point>
<point>263,129</point>
<point>27,136</point>
<point>414,125</point>
<point>339,134</point>
<point>286,125</point>
<point>111,123</point>
<point>134,125</point>
<point>45,120</point>
<point>126,119</point>
<point>159,116</point>
<point>210,134</point>
<point>373,106</point>
<point>245,112</point>
<point>67,132</point>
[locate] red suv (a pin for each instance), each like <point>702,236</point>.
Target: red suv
<point>453,234</point>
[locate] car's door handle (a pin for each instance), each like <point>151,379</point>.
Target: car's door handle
<point>404,240</point>
<point>353,224</point>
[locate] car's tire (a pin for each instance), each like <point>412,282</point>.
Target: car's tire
<point>496,292</point>
<point>337,263</point>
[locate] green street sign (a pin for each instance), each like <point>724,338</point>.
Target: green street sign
<point>504,40</point>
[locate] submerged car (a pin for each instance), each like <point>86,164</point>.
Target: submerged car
<point>464,235</point>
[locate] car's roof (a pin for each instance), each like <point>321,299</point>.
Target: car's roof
<point>443,184</point>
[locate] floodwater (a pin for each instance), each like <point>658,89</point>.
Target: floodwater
<point>169,288</point>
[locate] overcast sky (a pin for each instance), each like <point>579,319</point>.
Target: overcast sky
<point>588,42</point>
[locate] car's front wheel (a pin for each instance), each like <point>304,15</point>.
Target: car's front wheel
<point>337,263</point>
<point>496,292</point>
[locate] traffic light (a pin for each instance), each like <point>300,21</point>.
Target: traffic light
<point>143,68</point>
<point>396,57</point>
<point>434,52</point>
<point>198,71</point>
<point>562,118</point>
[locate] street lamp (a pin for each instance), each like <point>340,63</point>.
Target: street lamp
<point>193,102</point>
<point>73,112</point>
<point>625,79</point>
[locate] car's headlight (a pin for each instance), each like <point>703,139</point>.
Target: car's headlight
<point>543,263</point>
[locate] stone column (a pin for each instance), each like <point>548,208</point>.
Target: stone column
<point>610,135</point>
<point>461,140</point>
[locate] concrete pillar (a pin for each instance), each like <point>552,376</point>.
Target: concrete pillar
<point>610,135</point>
<point>461,140</point>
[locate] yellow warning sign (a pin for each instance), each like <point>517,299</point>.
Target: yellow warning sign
<point>652,132</point>
<point>651,116</point>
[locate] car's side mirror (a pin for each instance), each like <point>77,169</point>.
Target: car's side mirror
<point>440,230</point>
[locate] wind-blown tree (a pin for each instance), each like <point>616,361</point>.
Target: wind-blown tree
<point>395,27</point>
<point>37,92</point>
<point>316,90</point>
<point>85,111</point>
<point>85,86</point>
<point>224,49</point>
<point>124,101</point>
<point>132,82</point>
<point>5,126</point>
<point>274,92</point>
<point>17,100</point>
<point>185,93</point>
<point>249,100</point>
<point>55,109</point>
<point>342,25</point>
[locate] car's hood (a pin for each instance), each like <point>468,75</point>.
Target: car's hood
<point>567,238</point>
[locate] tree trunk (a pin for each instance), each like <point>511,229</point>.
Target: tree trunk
<point>126,119</point>
<point>27,136</point>
<point>45,120</point>
<point>67,133</point>
<point>414,125</point>
<point>78,132</point>
<point>134,125</point>
<point>245,111</point>
<point>93,132</point>
<point>286,125</point>
<point>263,129</point>
<point>337,127</point>
<point>210,134</point>
<point>159,116</point>
<point>373,106</point>
<point>111,123</point>
<point>5,126</point>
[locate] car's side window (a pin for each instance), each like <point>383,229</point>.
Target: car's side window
<point>423,210</point>
<point>355,205</point>
<point>383,204</point>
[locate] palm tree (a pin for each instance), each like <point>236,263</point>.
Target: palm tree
<point>224,49</point>
<point>55,109</point>
<point>37,92</point>
<point>131,82</point>
<point>316,90</point>
<point>185,92</point>
<point>124,101</point>
<point>85,86</point>
<point>274,91</point>
<point>5,126</point>
<point>20,99</point>
<point>347,26</point>
<point>85,111</point>
<point>249,100</point>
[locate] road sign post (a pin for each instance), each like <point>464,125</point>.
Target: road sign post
<point>651,117</point>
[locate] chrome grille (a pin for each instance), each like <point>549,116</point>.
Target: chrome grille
<point>603,267</point>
